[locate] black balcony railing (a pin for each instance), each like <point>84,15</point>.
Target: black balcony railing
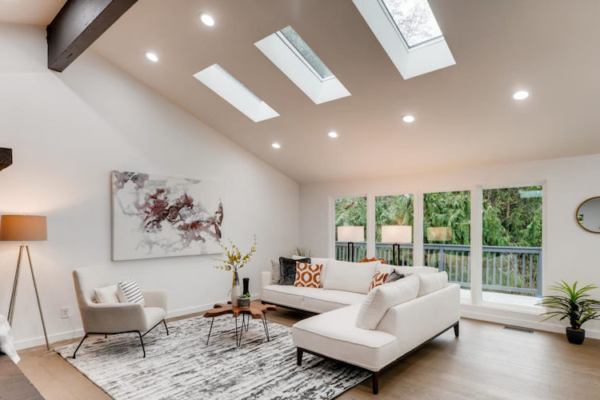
<point>515,270</point>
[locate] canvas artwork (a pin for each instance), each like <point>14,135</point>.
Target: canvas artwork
<point>157,216</point>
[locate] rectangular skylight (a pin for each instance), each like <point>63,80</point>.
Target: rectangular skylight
<point>235,93</point>
<point>409,34</point>
<point>290,53</point>
<point>414,20</point>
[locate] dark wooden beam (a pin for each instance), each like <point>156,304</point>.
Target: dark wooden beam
<point>77,25</point>
<point>5,158</point>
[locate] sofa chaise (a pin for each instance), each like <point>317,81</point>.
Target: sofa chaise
<point>427,306</point>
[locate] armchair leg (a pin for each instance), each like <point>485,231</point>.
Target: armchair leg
<point>299,353</point>
<point>375,382</point>
<point>142,342</point>
<point>80,343</point>
<point>165,323</point>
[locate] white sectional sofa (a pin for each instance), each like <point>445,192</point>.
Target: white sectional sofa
<point>432,308</point>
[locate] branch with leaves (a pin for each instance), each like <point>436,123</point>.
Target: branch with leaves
<point>235,259</point>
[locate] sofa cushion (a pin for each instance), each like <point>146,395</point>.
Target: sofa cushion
<point>285,295</point>
<point>350,277</point>
<point>287,269</point>
<point>327,300</point>
<point>382,298</point>
<point>432,282</point>
<point>417,270</point>
<point>308,275</point>
<point>336,335</point>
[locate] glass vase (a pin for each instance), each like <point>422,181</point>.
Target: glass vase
<point>236,289</point>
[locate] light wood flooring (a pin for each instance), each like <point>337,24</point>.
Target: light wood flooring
<point>485,362</point>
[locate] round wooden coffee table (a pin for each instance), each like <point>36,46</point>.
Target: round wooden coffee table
<point>256,310</point>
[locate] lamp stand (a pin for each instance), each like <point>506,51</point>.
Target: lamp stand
<point>13,298</point>
<point>351,251</point>
<point>394,247</point>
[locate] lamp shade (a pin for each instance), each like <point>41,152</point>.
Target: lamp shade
<point>23,228</point>
<point>351,233</point>
<point>441,234</point>
<point>396,234</point>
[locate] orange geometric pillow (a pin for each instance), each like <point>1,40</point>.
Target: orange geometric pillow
<point>373,259</point>
<point>308,275</point>
<point>378,280</point>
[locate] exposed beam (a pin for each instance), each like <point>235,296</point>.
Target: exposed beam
<point>5,158</point>
<point>77,25</point>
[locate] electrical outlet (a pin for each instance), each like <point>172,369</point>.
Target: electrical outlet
<point>65,312</point>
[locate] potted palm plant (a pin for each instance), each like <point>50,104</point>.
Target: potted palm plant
<point>574,304</point>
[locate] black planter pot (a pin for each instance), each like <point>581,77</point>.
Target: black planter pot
<point>575,336</point>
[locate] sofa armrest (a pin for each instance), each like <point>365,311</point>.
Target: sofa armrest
<point>419,320</point>
<point>113,318</point>
<point>155,298</point>
<point>266,277</point>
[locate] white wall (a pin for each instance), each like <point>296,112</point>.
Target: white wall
<point>570,253</point>
<point>68,131</point>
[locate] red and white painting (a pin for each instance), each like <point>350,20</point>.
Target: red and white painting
<point>157,216</point>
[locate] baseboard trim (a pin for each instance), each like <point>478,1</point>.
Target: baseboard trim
<point>78,333</point>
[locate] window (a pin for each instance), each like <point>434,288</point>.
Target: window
<point>447,234</point>
<point>512,245</point>
<point>350,228</point>
<point>414,20</point>
<point>393,226</point>
<point>294,57</point>
<point>409,34</point>
<point>235,93</point>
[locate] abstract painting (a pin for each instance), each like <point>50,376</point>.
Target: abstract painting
<point>157,216</point>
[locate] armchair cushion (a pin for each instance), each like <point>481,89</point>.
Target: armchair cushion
<point>156,298</point>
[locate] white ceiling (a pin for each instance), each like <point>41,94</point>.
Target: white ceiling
<point>465,114</point>
<point>29,12</point>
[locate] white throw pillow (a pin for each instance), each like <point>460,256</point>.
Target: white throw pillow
<point>107,294</point>
<point>275,272</point>
<point>130,292</point>
<point>432,282</point>
<point>383,297</point>
<point>349,277</point>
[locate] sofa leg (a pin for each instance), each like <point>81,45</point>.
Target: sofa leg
<point>80,343</point>
<point>457,329</point>
<point>299,353</point>
<point>142,342</point>
<point>165,323</point>
<point>375,382</point>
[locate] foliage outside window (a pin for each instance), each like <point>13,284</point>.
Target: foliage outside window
<point>350,211</point>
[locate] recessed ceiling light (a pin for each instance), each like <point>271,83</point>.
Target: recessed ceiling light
<point>207,19</point>
<point>275,145</point>
<point>521,95</point>
<point>152,57</point>
<point>332,134</point>
<point>408,119</point>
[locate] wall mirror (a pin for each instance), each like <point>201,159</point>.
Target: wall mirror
<point>588,215</point>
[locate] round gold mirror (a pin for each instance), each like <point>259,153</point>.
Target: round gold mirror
<point>588,215</point>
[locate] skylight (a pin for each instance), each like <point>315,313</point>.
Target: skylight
<point>235,93</point>
<point>414,19</point>
<point>290,36</point>
<point>290,53</point>
<point>409,34</point>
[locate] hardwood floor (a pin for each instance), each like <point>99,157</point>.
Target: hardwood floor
<point>486,362</point>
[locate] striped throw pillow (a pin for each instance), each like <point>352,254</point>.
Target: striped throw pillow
<point>130,292</point>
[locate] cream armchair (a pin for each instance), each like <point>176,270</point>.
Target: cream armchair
<point>113,319</point>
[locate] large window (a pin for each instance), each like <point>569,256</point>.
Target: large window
<point>393,229</point>
<point>350,228</point>
<point>512,244</point>
<point>447,234</point>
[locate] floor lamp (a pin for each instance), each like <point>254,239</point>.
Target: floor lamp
<point>23,228</point>
<point>351,234</point>
<point>396,234</point>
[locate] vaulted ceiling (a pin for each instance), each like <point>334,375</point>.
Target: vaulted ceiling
<point>465,114</point>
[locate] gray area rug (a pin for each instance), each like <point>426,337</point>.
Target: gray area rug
<point>182,366</point>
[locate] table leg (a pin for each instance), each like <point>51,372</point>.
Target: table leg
<point>266,326</point>
<point>209,332</point>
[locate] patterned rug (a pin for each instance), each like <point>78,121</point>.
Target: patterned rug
<point>182,366</point>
